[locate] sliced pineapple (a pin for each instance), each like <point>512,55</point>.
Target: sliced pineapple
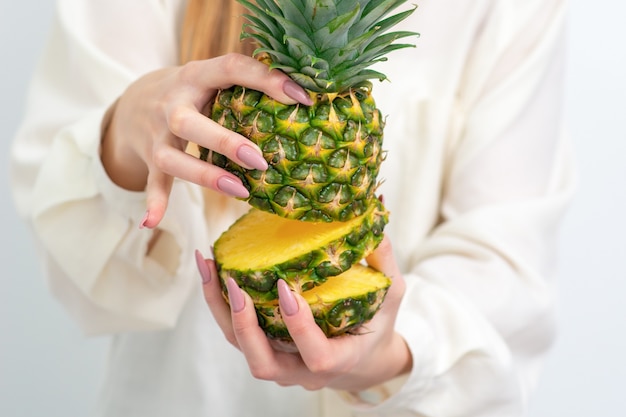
<point>340,305</point>
<point>260,248</point>
<point>315,213</point>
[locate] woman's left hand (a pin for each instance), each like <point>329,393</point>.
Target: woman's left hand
<point>350,362</point>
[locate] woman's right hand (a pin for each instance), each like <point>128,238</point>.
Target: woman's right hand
<point>143,145</point>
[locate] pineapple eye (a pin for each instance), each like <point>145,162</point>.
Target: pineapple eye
<point>360,94</point>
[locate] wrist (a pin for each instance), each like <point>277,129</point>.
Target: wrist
<point>396,360</point>
<point>391,372</point>
<point>402,353</point>
<point>121,164</point>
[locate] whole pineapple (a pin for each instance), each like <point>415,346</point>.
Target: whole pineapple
<point>322,216</point>
<point>323,159</point>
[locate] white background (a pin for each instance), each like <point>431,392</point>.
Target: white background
<point>47,369</point>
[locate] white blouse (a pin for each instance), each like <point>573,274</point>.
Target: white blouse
<point>477,178</point>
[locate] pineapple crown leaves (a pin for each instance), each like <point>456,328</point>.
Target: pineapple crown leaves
<point>326,45</point>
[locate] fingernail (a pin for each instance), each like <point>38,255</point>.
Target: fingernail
<point>286,299</point>
<point>381,198</point>
<point>249,156</point>
<point>293,90</point>
<point>232,187</point>
<point>235,296</point>
<point>205,272</point>
<point>143,222</point>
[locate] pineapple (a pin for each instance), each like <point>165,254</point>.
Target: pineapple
<point>314,212</point>
<point>324,159</point>
<point>260,248</point>
<point>341,305</point>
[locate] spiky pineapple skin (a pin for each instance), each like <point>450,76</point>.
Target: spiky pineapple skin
<point>324,159</point>
<point>309,269</point>
<point>345,315</point>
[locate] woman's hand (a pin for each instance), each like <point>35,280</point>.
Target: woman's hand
<point>144,142</point>
<point>351,363</point>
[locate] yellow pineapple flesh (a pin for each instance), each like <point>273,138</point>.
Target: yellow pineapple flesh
<point>260,248</point>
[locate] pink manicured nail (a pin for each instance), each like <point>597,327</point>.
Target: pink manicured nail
<point>232,187</point>
<point>205,272</point>
<point>235,296</point>
<point>143,222</point>
<point>251,158</point>
<point>286,299</point>
<point>293,90</point>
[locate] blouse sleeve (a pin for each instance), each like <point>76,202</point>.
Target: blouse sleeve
<point>96,260</point>
<point>478,314</point>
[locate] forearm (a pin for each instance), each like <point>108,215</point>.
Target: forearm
<point>390,361</point>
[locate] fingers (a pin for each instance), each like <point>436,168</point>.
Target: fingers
<point>318,362</point>
<point>344,362</point>
<point>383,260</point>
<point>309,368</point>
<point>263,361</point>
<point>188,123</point>
<point>236,69</point>
<point>317,351</point>
<point>214,298</point>
<point>250,337</point>
<point>170,162</point>
<point>299,320</point>
<point>194,85</point>
<point>158,190</point>
<point>237,319</point>
<point>179,164</point>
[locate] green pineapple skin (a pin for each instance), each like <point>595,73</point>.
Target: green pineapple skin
<point>313,268</point>
<point>323,159</point>
<point>345,316</point>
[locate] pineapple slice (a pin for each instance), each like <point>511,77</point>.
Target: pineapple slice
<point>260,248</point>
<point>340,305</point>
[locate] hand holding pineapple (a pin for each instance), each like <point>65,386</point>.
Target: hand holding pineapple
<point>144,142</point>
<point>347,363</point>
<point>318,192</point>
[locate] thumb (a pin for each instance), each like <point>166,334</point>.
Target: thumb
<point>383,260</point>
<point>158,191</point>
